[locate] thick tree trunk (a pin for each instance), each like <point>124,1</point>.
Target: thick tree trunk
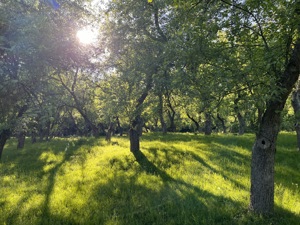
<point>296,107</point>
<point>135,133</point>
<point>262,164</point>
<point>208,124</point>
<point>263,151</point>
<point>4,136</point>
<point>134,140</point>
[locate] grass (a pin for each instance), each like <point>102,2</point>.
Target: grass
<point>177,179</point>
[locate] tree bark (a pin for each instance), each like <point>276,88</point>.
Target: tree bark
<point>171,112</point>
<point>134,140</point>
<point>222,120</point>
<point>4,136</point>
<point>242,123</point>
<point>109,132</point>
<point>135,133</point>
<point>263,151</point>
<point>171,115</point>
<point>161,115</point>
<point>136,124</point>
<point>33,137</point>
<point>296,107</point>
<point>119,128</point>
<point>195,122</point>
<point>208,124</point>
<point>21,140</point>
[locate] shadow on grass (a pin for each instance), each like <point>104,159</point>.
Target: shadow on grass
<point>29,166</point>
<point>173,156</point>
<point>138,190</point>
<point>152,196</point>
<point>149,167</point>
<point>287,159</point>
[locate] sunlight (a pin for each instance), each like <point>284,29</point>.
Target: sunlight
<point>87,36</point>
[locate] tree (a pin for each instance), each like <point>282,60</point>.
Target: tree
<point>33,41</point>
<point>271,42</point>
<point>296,106</point>
<point>136,35</point>
<point>15,74</point>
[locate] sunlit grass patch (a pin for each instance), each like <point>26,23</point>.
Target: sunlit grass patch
<point>177,179</point>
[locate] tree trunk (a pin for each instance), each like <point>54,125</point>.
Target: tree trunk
<point>134,140</point>
<point>89,123</point>
<point>21,140</point>
<point>119,128</point>
<point>78,105</point>
<point>222,120</point>
<point>242,123</point>
<point>108,136</point>
<point>161,115</point>
<point>296,107</point>
<point>109,132</point>
<point>195,122</point>
<point>135,133</point>
<point>33,137</point>
<point>171,115</point>
<point>262,164</point>
<point>208,124</point>
<point>263,151</point>
<point>4,136</point>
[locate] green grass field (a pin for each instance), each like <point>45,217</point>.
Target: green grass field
<point>177,179</point>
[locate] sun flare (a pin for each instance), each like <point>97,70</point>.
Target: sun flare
<point>86,36</point>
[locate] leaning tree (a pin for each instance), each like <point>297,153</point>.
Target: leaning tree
<point>271,41</point>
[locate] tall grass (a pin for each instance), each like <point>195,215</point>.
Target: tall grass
<point>177,179</point>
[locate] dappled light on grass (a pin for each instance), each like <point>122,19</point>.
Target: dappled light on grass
<point>176,179</point>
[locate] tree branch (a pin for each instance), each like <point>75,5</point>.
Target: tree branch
<point>159,30</point>
<point>260,33</point>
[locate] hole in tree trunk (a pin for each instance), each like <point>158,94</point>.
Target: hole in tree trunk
<point>263,143</point>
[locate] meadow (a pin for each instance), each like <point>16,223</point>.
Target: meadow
<point>176,179</point>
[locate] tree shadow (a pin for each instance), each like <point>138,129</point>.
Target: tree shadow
<point>34,172</point>
<point>139,190</point>
<point>149,167</point>
<point>173,156</point>
<point>152,196</point>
